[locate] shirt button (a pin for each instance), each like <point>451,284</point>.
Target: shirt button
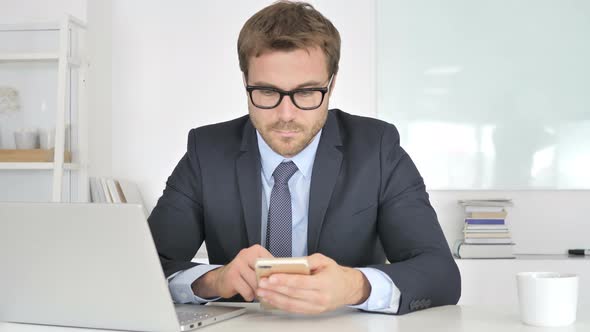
<point>183,295</point>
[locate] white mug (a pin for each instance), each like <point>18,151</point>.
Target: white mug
<point>26,139</point>
<point>47,138</point>
<point>547,298</point>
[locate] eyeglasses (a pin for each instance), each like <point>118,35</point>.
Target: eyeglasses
<point>307,99</point>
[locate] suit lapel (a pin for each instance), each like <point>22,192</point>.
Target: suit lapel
<point>326,169</point>
<point>248,174</point>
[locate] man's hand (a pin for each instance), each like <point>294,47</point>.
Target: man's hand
<point>238,277</point>
<point>329,286</point>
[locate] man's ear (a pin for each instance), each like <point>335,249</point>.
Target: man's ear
<point>333,84</point>
<point>245,80</point>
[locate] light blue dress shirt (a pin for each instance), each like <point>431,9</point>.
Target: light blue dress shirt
<point>384,295</point>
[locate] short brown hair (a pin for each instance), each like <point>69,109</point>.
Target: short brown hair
<point>286,26</point>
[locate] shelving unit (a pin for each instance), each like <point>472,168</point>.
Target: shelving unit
<point>69,59</point>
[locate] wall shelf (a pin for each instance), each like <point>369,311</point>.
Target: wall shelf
<point>22,57</point>
<point>37,26</point>
<point>531,257</point>
<point>36,166</point>
<point>31,156</point>
<point>493,281</point>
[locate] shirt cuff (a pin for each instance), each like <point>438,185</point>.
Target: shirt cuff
<point>180,284</point>
<point>384,295</point>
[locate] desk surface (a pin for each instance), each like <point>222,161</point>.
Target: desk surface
<point>448,318</point>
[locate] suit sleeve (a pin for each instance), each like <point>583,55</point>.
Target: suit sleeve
<point>176,222</point>
<point>421,264</point>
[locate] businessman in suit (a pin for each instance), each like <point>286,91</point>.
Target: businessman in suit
<point>293,178</point>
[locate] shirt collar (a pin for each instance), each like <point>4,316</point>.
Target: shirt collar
<point>303,160</point>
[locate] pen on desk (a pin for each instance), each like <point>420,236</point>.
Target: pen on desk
<point>579,252</point>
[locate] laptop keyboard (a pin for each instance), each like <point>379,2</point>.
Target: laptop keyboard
<point>187,317</point>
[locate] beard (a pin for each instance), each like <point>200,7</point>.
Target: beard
<point>289,146</point>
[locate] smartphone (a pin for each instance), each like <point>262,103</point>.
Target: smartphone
<point>264,267</point>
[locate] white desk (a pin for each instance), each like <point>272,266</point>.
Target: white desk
<point>449,318</point>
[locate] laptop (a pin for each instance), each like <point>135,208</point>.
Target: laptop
<point>89,265</point>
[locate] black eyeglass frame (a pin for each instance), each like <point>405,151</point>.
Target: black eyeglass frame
<point>291,95</point>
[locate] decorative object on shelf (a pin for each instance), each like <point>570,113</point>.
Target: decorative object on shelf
<point>9,101</point>
<point>26,139</point>
<point>47,138</point>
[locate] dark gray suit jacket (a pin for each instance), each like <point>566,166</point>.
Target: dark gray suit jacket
<point>367,203</point>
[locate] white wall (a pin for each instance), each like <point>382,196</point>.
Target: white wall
<point>175,68</point>
<point>99,87</point>
<point>23,11</point>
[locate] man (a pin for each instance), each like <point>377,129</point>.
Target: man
<point>296,179</point>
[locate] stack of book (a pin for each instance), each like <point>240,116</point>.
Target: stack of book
<point>108,190</point>
<point>485,232</point>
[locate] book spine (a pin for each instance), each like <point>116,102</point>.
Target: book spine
<point>102,198</point>
<point>472,221</point>
<point>113,191</point>
<point>93,193</point>
<point>105,189</point>
<point>469,226</point>
<point>132,194</point>
<point>477,231</point>
<point>487,235</point>
<point>469,209</point>
<point>488,245</point>
<point>457,248</point>
<point>488,240</point>
<point>120,192</point>
<point>487,215</point>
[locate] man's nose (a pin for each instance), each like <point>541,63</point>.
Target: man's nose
<point>287,110</point>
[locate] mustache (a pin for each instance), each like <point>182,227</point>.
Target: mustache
<point>286,126</point>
